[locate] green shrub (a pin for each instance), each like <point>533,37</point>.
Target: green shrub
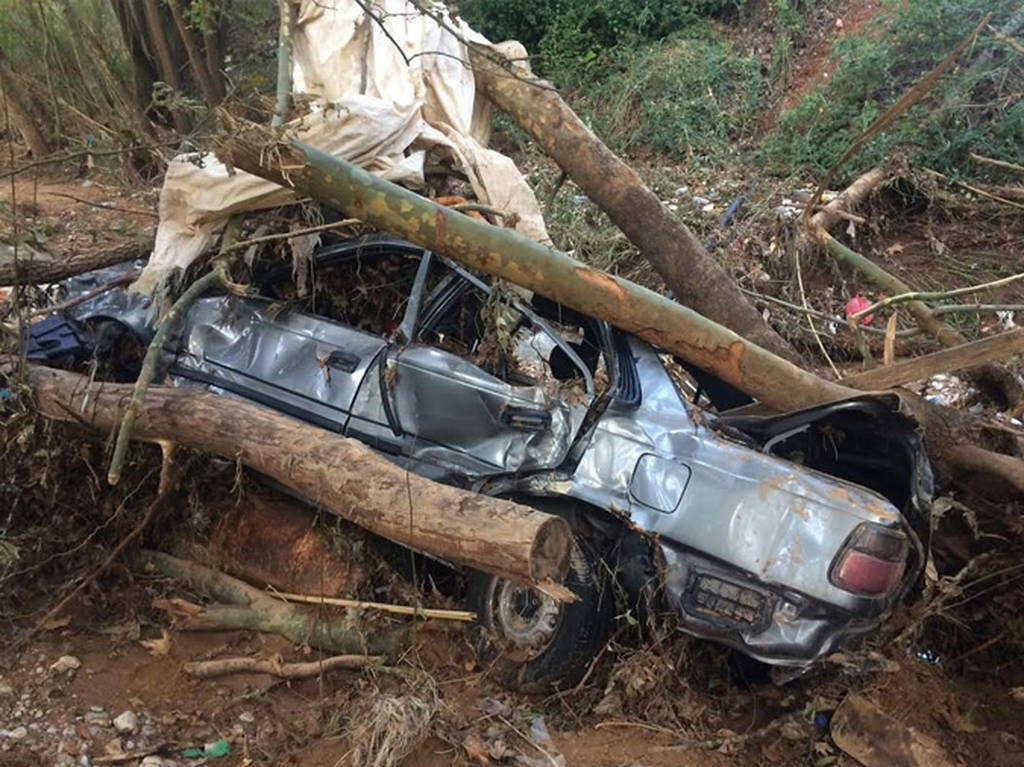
<point>977,107</point>
<point>567,34</point>
<point>686,97</point>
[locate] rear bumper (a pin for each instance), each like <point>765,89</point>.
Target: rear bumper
<point>768,623</point>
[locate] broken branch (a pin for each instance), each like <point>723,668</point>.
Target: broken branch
<point>419,612</point>
<point>223,666</point>
<point>919,295</point>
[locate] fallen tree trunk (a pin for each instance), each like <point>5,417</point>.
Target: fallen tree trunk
<point>508,255</point>
<point>997,347</point>
<point>42,268</point>
<point>511,256</point>
<point>343,475</point>
<point>665,241</point>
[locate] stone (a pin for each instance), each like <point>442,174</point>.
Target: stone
<point>18,733</point>
<point>126,722</point>
<point>247,717</point>
<point>65,663</point>
<point>97,718</point>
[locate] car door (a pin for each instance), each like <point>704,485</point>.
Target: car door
<point>459,401</point>
<point>302,352</point>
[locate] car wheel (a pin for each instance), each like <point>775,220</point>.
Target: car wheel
<point>530,641</point>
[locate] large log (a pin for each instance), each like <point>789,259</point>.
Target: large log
<point>35,268</point>
<point>511,256</point>
<point>506,254</point>
<point>665,241</point>
<point>341,474</point>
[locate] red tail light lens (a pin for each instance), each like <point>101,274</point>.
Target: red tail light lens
<point>872,561</point>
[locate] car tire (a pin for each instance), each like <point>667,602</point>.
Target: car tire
<point>553,650</point>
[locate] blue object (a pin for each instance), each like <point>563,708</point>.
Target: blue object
<point>55,341</point>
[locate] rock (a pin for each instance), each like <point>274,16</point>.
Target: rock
<point>126,722</point>
<point>247,717</point>
<point>65,663</point>
<point>18,733</point>
<point>97,718</point>
<point>156,761</point>
<point>6,689</point>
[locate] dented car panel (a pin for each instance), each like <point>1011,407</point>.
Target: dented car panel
<point>747,531</point>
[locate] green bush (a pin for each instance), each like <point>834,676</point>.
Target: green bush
<point>977,107</point>
<point>687,97</point>
<point>569,33</point>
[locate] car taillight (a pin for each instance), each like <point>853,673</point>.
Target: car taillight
<point>872,561</point>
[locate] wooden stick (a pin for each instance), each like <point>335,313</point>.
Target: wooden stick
<point>974,189</point>
<point>1005,38</point>
<point>101,206</point>
<point>122,280</point>
<point>919,295</point>
<point>421,612</point>
<point>956,358</point>
<point>997,163</point>
<point>210,668</point>
<point>288,235</point>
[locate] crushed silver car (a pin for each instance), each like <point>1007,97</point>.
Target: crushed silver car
<point>780,537</point>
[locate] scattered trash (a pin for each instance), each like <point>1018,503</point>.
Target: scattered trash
<point>858,304</point>
<point>214,750</point>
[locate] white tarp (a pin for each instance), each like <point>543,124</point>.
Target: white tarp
<point>372,104</point>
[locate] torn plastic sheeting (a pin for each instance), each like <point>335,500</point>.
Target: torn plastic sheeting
<point>374,105</point>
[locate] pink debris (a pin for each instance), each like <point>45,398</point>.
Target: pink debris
<point>858,304</point>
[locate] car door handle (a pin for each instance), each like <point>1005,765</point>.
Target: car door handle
<point>526,418</point>
<point>344,361</point>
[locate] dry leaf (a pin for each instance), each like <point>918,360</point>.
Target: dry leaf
<point>889,354</point>
<point>161,646</point>
<point>476,749</point>
<point>895,248</point>
<point>56,623</point>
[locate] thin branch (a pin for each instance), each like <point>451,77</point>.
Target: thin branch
<point>918,295</point>
<point>76,155</point>
<point>1004,38</point>
<point>242,244</point>
<point>133,211</point>
<point>974,189</point>
<point>222,666</point>
<point>420,612</point>
<point>997,163</point>
<point>122,280</point>
<point>911,97</point>
<point>841,321</point>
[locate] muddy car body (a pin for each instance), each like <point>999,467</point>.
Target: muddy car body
<point>780,537</point>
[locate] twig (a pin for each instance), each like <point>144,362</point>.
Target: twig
<point>919,295</point>
<point>822,315</point>
<point>133,211</point>
<point>242,244</point>
<point>71,302</point>
<point>810,322</point>
<point>131,756</point>
<point>1004,38</point>
<point>997,163</point>
<point>477,207</point>
<point>421,612</point>
<point>551,758</point>
<point>974,189</point>
<point>911,97</point>
<point>977,308</point>
<point>76,155</point>
<point>217,276</point>
<point>223,666</point>
<point>154,507</point>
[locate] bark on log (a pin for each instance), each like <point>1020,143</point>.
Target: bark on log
<point>345,476</point>
<point>997,347</point>
<point>667,243</point>
<point>53,268</point>
<point>511,256</point>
